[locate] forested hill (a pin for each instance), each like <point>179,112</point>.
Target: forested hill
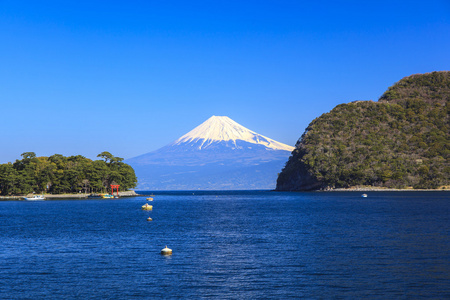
<point>59,174</point>
<point>433,88</point>
<point>401,141</point>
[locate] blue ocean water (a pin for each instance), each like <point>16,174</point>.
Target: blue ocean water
<point>228,245</point>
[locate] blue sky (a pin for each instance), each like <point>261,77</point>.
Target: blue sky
<point>128,77</point>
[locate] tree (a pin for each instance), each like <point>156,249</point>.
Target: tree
<point>106,156</point>
<point>28,155</point>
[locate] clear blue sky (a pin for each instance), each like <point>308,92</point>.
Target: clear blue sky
<point>128,77</point>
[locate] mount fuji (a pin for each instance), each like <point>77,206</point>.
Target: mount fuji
<point>219,154</point>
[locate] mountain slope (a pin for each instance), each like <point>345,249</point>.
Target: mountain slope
<point>218,154</point>
<point>398,142</point>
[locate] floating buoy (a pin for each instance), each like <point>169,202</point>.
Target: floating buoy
<point>166,251</point>
<point>149,219</point>
<point>364,195</point>
<point>147,207</point>
<point>150,199</point>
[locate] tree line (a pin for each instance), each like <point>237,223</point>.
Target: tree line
<point>58,174</point>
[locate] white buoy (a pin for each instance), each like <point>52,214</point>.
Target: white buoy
<point>149,219</point>
<point>166,251</point>
<point>364,195</point>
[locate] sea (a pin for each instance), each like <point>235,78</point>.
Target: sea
<point>228,245</point>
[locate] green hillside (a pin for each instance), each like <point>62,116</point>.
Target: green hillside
<point>401,141</point>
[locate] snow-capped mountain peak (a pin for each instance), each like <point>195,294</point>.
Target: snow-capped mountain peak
<point>222,128</point>
<point>219,154</point>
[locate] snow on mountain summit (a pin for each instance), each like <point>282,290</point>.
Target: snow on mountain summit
<point>222,128</point>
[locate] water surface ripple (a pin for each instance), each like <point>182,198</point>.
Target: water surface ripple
<point>229,245</point>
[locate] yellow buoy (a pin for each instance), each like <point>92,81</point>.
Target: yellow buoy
<point>147,207</point>
<point>150,199</point>
<point>166,251</point>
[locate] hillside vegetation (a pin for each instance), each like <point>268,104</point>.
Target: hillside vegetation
<point>58,174</point>
<point>401,141</point>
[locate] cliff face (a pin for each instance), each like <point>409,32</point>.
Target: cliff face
<point>400,141</point>
<point>297,176</point>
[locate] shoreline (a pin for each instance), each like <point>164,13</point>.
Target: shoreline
<point>69,196</point>
<point>383,190</point>
<point>130,194</point>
